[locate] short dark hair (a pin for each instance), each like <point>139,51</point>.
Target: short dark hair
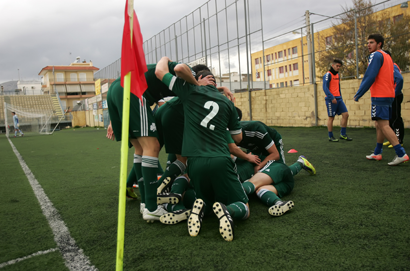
<point>204,74</point>
<point>338,61</point>
<point>200,67</point>
<point>378,38</point>
<point>239,113</point>
<point>387,52</point>
<point>13,113</point>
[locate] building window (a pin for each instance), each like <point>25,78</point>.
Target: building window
<point>276,56</point>
<point>286,68</point>
<point>280,69</point>
<point>270,86</point>
<point>267,58</point>
<point>329,40</point>
<point>290,83</point>
<point>290,68</point>
<point>280,54</point>
<point>269,72</point>
<point>60,77</point>
<point>282,84</point>
<point>294,50</point>
<point>296,82</point>
<point>295,66</point>
<point>288,52</point>
<point>83,77</point>
<point>256,61</point>
<point>258,75</point>
<point>284,51</point>
<point>397,18</point>
<point>73,77</point>
<point>286,83</point>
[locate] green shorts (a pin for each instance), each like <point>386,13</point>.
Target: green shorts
<point>170,124</point>
<point>142,121</point>
<point>218,184</point>
<point>282,178</point>
<point>244,169</point>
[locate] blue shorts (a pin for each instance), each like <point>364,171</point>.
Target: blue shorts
<point>381,112</point>
<point>337,108</point>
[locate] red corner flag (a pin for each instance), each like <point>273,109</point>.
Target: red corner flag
<point>132,56</point>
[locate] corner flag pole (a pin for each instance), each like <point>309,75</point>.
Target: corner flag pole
<point>124,155</point>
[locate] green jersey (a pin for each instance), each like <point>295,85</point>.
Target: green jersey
<point>258,138</point>
<point>207,116</point>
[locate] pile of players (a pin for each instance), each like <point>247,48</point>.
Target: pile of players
<point>202,128</point>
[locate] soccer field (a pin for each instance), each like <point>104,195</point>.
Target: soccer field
<point>353,215</point>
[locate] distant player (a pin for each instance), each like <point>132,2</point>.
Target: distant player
<point>334,102</point>
<point>210,167</point>
<point>379,77</point>
<point>16,125</point>
<point>396,121</point>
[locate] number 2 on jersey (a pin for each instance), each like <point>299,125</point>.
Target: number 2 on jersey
<point>211,115</point>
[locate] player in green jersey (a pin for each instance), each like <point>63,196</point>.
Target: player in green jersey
<point>207,115</point>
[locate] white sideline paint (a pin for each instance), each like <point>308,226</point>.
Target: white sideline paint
<point>27,257</point>
<point>72,254</point>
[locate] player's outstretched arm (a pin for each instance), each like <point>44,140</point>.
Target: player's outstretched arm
<point>185,73</point>
<point>227,93</point>
<point>236,151</point>
<point>162,67</point>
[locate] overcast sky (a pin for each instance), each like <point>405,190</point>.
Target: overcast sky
<point>38,33</point>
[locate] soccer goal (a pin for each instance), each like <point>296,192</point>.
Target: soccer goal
<point>30,120</point>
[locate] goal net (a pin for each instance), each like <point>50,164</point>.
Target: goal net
<point>30,120</point>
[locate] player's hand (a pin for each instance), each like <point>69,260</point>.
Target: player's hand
<point>257,168</point>
<point>334,101</point>
<point>355,98</point>
<point>207,80</point>
<point>253,158</point>
<point>228,94</point>
<point>110,133</point>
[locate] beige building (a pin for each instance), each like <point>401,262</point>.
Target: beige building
<point>72,83</point>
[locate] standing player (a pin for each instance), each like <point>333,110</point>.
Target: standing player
<point>207,115</point>
<point>379,77</point>
<point>334,101</point>
<point>396,121</point>
<point>16,125</point>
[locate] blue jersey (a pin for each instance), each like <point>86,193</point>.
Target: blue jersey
<point>15,120</point>
<point>375,63</point>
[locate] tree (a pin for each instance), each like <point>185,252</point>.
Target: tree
<point>342,45</point>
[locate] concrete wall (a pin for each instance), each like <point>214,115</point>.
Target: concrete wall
<point>295,106</point>
<point>79,118</point>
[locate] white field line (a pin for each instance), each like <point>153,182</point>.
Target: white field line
<point>27,257</point>
<point>73,256</point>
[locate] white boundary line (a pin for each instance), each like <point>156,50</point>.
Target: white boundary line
<point>27,257</point>
<point>72,254</point>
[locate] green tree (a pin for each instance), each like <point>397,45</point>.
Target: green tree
<point>341,44</point>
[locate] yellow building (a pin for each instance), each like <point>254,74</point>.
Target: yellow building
<point>72,83</point>
<point>281,65</point>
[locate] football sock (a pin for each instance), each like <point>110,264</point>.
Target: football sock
<point>15,133</point>
<point>378,149</point>
<point>132,178</point>
<point>149,168</point>
<point>141,188</point>
<point>238,210</point>
<point>171,158</point>
<point>268,197</point>
<point>179,186</point>
<point>174,207</point>
<point>343,131</point>
<point>173,170</point>
<point>399,150</point>
<point>138,175</point>
<point>295,168</point>
<point>248,187</point>
<point>189,198</point>
<point>330,134</point>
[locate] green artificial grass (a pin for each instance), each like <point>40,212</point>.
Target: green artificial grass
<point>352,215</point>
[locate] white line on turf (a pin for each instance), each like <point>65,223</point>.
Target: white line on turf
<point>27,257</point>
<point>72,254</point>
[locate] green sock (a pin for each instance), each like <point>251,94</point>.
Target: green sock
<point>138,174</point>
<point>295,168</point>
<point>149,168</point>
<point>174,207</point>
<point>248,187</point>
<point>179,186</point>
<point>238,210</point>
<point>189,198</point>
<point>268,197</point>
<point>132,178</point>
<point>173,170</point>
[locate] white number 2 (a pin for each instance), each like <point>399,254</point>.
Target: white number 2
<point>211,115</point>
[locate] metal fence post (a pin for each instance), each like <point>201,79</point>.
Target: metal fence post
<point>357,51</point>
<point>247,62</point>
<point>314,75</point>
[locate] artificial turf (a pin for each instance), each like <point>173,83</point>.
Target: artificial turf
<point>352,215</point>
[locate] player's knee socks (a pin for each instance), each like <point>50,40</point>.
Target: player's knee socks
<point>343,131</point>
<point>141,188</point>
<point>399,150</point>
<point>149,168</point>
<point>174,207</point>
<point>189,198</point>
<point>138,175</point>
<point>238,210</point>
<point>268,197</point>
<point>171,158</point>
<point>248,187</point>
<point>173,170</point>
<point>132,178</point>
<point>15,133</point>
<point>330,134</point>
<point>179,186</point>
<point>295,168</point>
<point>378,149</point>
